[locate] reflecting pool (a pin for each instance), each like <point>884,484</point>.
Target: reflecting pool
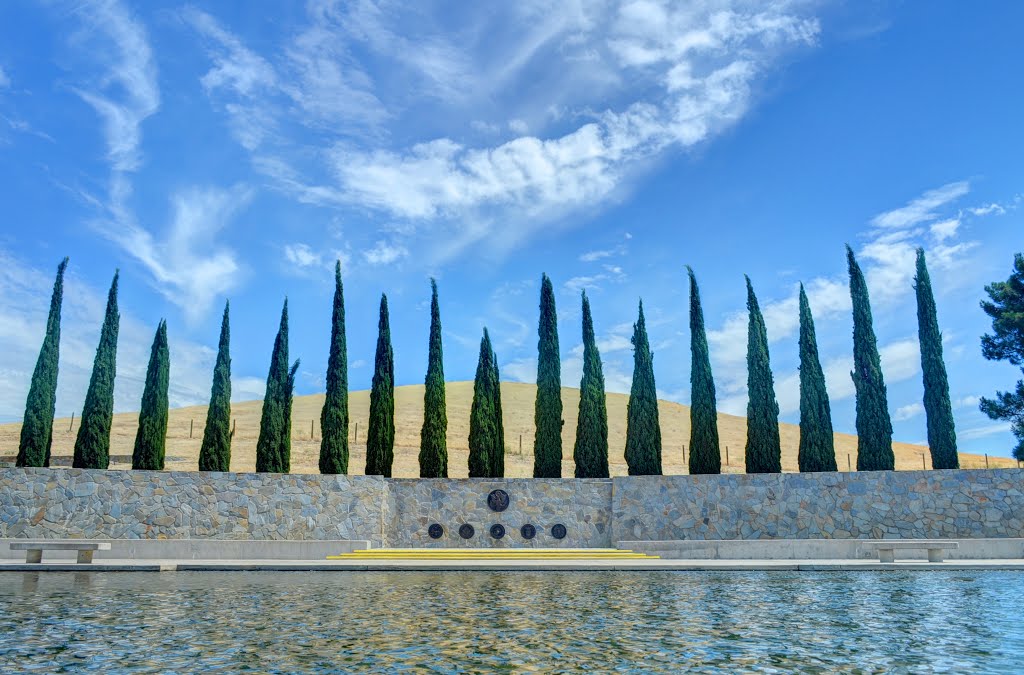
<point>284,622</point>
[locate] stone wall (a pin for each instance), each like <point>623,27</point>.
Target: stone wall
<point>582,506</point>
<point>77,503</point>
<point>862,505</point>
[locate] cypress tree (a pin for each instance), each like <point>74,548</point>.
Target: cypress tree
<point>486,430</point>
<point>433,435</point>
<point>643,433</point>
<point>274,445</point>
<point>817,446</point>
<point>334,416</point>
<point>705,455</point>
<point>380,437</point>
<point>874,427</point>
<point>151,438</point>
<point>591,449</point>
<point>37,429</point>
<point>215,453</point>
<point>92,445</point>
<point>764,448</point>
<point>547,415</point>
<point>937,407</point>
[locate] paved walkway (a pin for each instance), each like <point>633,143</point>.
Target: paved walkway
<point>626,565</point>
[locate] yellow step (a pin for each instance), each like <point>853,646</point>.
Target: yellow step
<point>492,554</point>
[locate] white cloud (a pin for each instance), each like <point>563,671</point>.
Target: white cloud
<point>385,253</point>
<point>519,126</point>
<point>989,209</point>
<point>301,255</point>
<point>923,208</point>
<point>190,268</point>
<point>983,431</point>
<point>592,256</point>
<point>967,402</point>
<point>944,229</point>
<point>907,412</point>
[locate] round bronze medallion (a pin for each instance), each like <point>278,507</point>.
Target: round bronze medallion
<point>467,531</point>
<point>558,531</point>
<point>498,500</point>
<point>435,531</point>
<point>528,531</point>
<point>497,531</point>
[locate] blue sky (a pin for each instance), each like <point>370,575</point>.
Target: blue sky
<point>214,152</point>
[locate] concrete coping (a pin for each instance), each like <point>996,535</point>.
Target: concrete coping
<point>911,543</point>
<point>60,545</point>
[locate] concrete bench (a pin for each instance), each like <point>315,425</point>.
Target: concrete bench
<point>34,549</point>
<point>887,549</point>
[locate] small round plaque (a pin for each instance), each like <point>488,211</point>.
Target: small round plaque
<point>558,531</point>
<point>497,531</point>
<point>467,531</point>
<point>498,500</point>
<point>435,531</point>
<point>528,531</point>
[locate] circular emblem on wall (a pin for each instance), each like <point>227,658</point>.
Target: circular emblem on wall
<point>498,500</point>
<point>528,531</point>
<point>466,531</point>
<point>558,531</point>
<point>497,531</point>
<point>435,531</point>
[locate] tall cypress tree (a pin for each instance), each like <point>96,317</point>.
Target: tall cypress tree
<point>591,449</point>
<point>705,455</point>
<point>547,415</point>
<point>433,435</point>
<point>380,437</point>
<point>334,416</point>
<point>817,446</point>
<point>215,453</point>
<point>486,429</point>
<point>37,429</point>
<point>937,407</point>
<point>874,427</point>
<point>274,445</point>
<point>92,445</point>
<point>151,438</point>
<point>643,433</point>
<point>764,448</point>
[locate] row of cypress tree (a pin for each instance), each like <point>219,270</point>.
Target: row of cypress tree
<point>643,451</point>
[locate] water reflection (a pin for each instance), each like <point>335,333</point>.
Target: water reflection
<point>511,622</point>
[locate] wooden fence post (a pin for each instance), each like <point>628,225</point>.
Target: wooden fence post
<point>72,421</point>
<point>190,425</point>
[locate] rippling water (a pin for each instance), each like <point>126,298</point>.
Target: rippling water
<point>283,622</point>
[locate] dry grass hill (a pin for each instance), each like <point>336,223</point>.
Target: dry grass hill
<point>517,407</point>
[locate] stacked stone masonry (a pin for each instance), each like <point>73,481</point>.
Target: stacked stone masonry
<point>78,503</point>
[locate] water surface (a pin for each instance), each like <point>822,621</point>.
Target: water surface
<point>284,622</point>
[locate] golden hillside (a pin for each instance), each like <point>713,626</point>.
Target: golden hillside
<point>517,407</point>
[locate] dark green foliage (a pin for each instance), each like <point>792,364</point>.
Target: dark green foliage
<point>334,416</point>
<point>547,415</point>
<point>705,455</point>
<point>150,440</point>
<point>433,435</point>
<point>380,437</point>
<point>937,407</point>
<point>764,448</point>
<point>591,449</point>
<point>817,446</point>
<point>1006,343</point>
<point>37,430</point>
<point>92,446</point>
<point>215,453</point>
<point>874,427</point>
<point>274,445</point>
<point>643,433</point>
<point>486,430</point>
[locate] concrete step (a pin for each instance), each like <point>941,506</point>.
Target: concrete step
<point>816,549</point>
